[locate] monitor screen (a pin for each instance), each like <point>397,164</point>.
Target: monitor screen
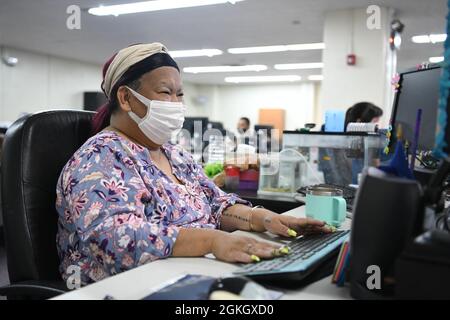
<point>418,90</point>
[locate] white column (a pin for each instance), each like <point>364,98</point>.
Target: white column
<point>347,32</point>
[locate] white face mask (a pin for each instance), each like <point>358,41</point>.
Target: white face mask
<point>163,120</point>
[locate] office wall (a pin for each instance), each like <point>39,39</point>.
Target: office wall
<point>346,31</point>
<point>227,103</point>
<point>200,99</point>
<point>42,82</point>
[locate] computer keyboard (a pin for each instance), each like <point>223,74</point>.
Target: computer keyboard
<point>349,193</point>
<point>307,253</point>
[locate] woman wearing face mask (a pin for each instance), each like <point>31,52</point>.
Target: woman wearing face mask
<point>127,197</point>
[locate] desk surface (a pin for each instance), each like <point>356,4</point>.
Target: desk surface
<point>140,282</point>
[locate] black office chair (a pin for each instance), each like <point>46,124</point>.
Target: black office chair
<point>35,150</point>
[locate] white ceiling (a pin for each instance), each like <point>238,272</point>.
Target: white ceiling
<point>40,25</point>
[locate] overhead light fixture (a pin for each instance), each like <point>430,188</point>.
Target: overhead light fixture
<point>434,38</point>
<point>156,5</point>
<point>421,39</point>
<point>289,78</point>
<point>429,38</point>
<point>315,77</point>
<point>436,59</point>
<point>278,48</point>
<point>298,66</point>
<point>10,61</point>
<point>195,53</point>
<point>255,67</point>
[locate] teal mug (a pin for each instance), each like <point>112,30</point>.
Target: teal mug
<point>326,204</point>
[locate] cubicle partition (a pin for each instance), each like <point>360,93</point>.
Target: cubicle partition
<point>335,157</point>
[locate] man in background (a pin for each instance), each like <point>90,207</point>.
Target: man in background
<point>244,132</point>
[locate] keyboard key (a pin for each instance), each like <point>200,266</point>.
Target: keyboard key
<point>309,254</point>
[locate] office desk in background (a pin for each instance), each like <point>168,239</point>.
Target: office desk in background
<point>141,281</point>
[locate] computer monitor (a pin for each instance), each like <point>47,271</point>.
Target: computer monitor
<point>193,140</point>
<point>215,125</point>
<point>93,100</point>
<point>263,135</point>
<point>195,123</point>
<point>267,129</point>
<point>418,89</point>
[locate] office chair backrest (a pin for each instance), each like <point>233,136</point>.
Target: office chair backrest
<point>35,150</point>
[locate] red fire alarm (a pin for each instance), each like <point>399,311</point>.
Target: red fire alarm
<point>351,59</point>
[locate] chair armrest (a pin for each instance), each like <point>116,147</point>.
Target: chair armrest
<point>34,289</point>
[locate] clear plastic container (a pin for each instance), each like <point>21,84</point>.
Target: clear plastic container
<point>281,173</point>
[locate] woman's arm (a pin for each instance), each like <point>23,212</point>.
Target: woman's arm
<point>224,246</point>
<point>202,238</point>
<point>240,217</point>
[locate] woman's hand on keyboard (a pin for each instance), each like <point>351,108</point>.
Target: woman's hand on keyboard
<point>233,248</point>
<point>288,226</point>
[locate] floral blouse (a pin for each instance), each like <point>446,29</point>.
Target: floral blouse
<point>117,210</point>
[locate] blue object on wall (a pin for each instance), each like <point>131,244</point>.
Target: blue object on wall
<point>334,121</point>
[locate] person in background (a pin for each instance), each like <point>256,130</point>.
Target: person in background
<point>127,197</point>
<point>244,132</point>
<point>364,112</point>
<point>334,163</point>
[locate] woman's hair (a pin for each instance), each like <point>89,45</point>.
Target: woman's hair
<point>363,112</point>
<point>130,78</point>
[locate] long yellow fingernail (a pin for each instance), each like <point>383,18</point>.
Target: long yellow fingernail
<point>332,228</point>
<point>292,233</point>
<point>285,250</point>
<point>255,258</point>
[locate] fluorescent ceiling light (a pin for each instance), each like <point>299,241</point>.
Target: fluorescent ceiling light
<point>429,38</point>
<point>315,77</point>
<point>280,48</point>
<point>297,66</point>
<point>195,53</point>
<point>290,78</point>
<point>436,59</point>
<point>434,38</point>
<point>155,5</point>
<point>255,67</point>
<point>421,39</point>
